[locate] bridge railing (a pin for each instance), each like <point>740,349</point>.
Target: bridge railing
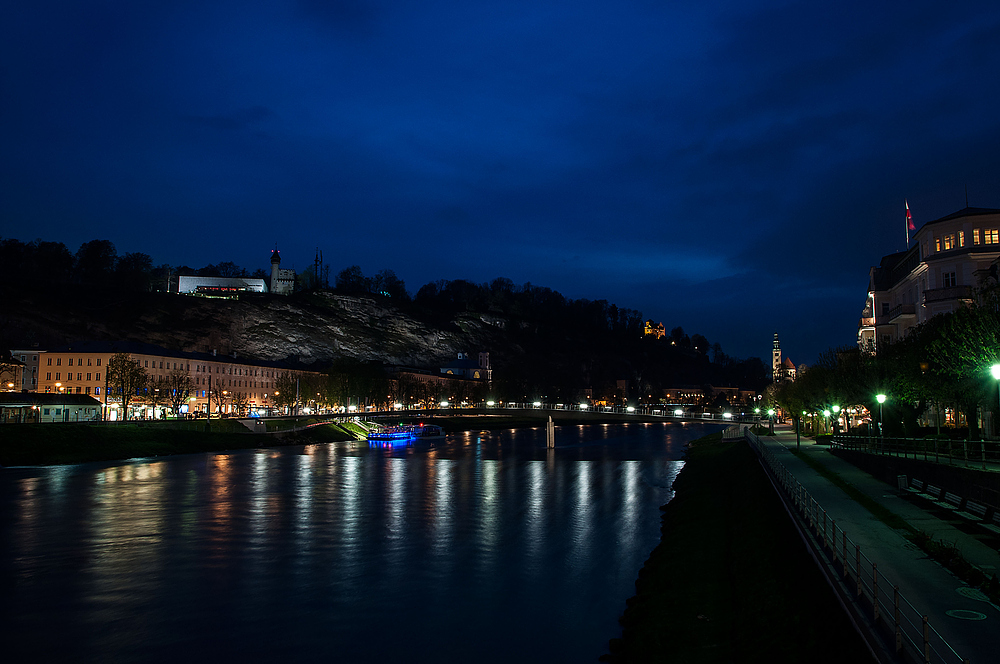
<point>902,625</point>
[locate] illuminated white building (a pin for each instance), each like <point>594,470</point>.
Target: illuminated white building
<point>948,259</point>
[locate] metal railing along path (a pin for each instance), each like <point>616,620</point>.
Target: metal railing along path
<point>978,454</point>
<point>870,592</point>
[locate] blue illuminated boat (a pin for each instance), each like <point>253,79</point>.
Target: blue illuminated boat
<point>406,433</point>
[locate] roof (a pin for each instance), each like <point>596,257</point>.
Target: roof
<point>140,348</point>
<point>788,364</point>
<point>28,399</point>
<point>964,212</point>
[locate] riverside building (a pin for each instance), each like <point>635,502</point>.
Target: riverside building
<point>82,369</point>
<point>948,260</point>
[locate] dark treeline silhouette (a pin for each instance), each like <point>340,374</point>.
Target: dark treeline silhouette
<point>39,264</point>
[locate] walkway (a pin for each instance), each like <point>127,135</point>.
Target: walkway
<point>931,588</point>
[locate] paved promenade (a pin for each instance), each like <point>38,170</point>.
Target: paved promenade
<point>932,589</point>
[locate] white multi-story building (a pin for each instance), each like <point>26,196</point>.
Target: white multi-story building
<point>949,258</point>
<point>82,369</point>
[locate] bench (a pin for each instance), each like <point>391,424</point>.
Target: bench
<point>916,486</point>
<point>934,492</point>
<point>993,525</point>
<point>973,511</point>
<point>952,501</point>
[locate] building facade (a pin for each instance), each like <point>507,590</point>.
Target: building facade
<point>282,281</point>
<point>949,259</point>
<point>82,369</point>
<point>219,286</point>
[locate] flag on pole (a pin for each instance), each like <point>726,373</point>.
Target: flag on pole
<point>909,217</point>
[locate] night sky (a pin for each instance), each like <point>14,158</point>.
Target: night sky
<point>730,167</point>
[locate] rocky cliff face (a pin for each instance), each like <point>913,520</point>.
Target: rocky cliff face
<point>313,328</point>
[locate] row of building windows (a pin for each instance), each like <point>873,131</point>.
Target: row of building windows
<point>69,362</point>
<point>950,241</point>
<point>69,376</point>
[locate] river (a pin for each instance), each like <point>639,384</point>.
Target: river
<point>483,547</point>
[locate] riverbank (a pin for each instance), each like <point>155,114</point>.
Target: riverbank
<point>731,580</point>
<point>54,444</point>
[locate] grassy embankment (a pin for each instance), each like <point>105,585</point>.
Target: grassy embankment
<point>731,581</point>
<point>42,444</point>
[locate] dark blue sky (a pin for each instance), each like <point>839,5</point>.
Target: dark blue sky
<point>730,167</point>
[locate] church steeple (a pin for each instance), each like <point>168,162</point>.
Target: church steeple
<point>776,359</point>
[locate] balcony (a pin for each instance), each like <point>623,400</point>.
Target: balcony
<point>866,322</point>
<point>901,310</point>
<point>949,293</point>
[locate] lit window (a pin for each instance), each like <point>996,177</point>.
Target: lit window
<point>97,391</point>
<point>975,236</point>
<point>994,237</point>
<point>961,238</point>
<point>949,241</point>
<point>937,244</point>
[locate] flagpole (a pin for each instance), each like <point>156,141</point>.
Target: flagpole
<point>907,222</point>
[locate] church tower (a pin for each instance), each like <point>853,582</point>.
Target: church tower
<point>776,370</point>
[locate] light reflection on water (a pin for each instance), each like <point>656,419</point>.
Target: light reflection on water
<point>484,545</point>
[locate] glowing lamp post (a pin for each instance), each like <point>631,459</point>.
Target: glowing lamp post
<point>881,400</point>
<point>995,372</point>
<point>836,416</point>
<point>770,417</point>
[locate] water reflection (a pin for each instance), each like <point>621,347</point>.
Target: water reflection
<point>484,545</point>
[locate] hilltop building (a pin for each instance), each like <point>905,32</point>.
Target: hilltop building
<point>655,330</point>
<point>282,281</point>
<point>949,259</point>
<point>219,286</point>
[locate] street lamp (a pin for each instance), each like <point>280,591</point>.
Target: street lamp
<point>995,372</point>
<point>770,417</point>
<point>836,415</point>
<point>881,400</point>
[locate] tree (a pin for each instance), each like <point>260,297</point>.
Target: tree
<point>177,386</point>
<point>241,403</point>
<point>351,281</point>
<point>134,271</point>
<point>219,397</point>
<point>95,262</point>
<point>8,373</point>
<point>126,378</point>
<point>285,390</point>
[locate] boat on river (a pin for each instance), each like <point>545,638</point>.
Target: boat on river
<point>405,433</point>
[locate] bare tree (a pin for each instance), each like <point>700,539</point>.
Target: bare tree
<point>241,402</point>
<point>177,386</point>
<point>125,378</point>
<point>219,398</point>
